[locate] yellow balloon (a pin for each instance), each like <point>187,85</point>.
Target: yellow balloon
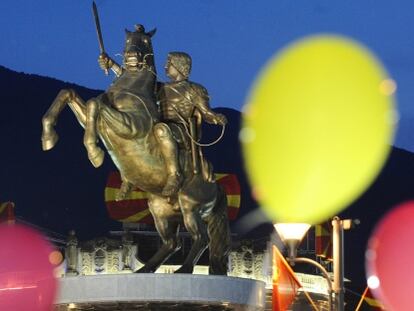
<point>317,128</point>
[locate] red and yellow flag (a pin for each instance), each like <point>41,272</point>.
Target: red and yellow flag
<point>135,208</point>
<point>285,283</point>
<point>323,240</point>
<point>7,212</point>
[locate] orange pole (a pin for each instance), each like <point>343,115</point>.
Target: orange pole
<point>362,299</point>
<point>275,276</point>
<point>311,300</point>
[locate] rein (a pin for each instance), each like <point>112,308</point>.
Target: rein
<point>144,63</point>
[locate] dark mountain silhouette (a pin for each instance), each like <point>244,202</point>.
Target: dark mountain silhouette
<point>60,190</point>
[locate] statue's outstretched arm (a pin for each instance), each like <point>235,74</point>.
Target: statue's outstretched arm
<point>201,101</point>
<point>105,62</point>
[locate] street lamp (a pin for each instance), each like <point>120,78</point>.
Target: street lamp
<point>293,233</point>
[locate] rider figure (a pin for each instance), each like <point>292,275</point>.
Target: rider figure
<point>184,104</point>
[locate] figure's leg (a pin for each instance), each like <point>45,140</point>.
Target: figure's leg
<point>168,230</point>
<point>206,168</point>
<point>169,151</point>
<point>66,96</point>
<point>95,153</point>
<point>198,231</point>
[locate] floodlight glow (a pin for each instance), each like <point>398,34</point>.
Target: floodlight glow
<point>292,231</point>
<point>373,282</point>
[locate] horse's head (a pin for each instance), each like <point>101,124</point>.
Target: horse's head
<point>138,52</point>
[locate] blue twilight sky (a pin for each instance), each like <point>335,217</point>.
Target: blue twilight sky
<point>229,40</point>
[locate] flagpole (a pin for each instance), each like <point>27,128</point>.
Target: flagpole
<point>362,299</point>
<point>275,276</point>
<point>338,262</point>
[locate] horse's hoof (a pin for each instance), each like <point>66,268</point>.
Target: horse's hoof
<point>49,141</point>
<point>123,192</point>
<point>120,196</point>
<point>184,269</point>
<point>97,157</point>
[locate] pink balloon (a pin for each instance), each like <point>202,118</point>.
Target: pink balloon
<point>390,257</point>
<point>26,273</point>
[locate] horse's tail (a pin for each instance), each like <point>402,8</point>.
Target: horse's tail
<point>219,235</point>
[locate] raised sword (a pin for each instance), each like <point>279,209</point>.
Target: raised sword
<point>98,31</point>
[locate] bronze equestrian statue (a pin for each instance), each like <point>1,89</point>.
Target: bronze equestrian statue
<point>152,156</point>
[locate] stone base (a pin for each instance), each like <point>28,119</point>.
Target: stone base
<point>160,292</point>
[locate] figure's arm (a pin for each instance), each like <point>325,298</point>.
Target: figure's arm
<point>105,62</point>
<point>201,101</point>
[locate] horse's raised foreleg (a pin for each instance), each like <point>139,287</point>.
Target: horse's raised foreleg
<point>90,138</point>
<point>168,231</point>
<point>66,96</point>
<point>198,231</point>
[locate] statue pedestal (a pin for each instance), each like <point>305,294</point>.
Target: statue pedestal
<point>159,292</point>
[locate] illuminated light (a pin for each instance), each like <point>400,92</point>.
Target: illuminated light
<point>292,231</point>
<point>247,135</point>
<point>388,87</point>
<point>373,282</point>
<point>55,258</point>
<point>347,224</point>
<point>71,306</point>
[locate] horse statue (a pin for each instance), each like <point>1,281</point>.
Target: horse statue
<point>126,120</point>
